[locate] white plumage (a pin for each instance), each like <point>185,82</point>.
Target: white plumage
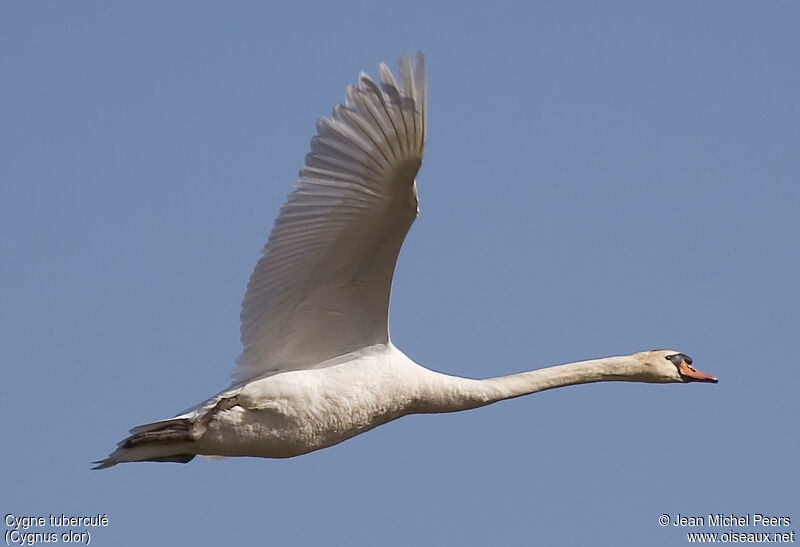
<point>322,287</point>
<point>317,364</point>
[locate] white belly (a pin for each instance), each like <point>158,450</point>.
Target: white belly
<point>296,412</point>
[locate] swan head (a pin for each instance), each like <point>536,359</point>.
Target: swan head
<point>672,366</point>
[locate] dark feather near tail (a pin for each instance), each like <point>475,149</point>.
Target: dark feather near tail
<point>176,433</point>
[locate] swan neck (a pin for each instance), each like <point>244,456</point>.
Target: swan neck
<point>451,394</point>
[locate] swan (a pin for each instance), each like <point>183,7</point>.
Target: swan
<point>318,365</point>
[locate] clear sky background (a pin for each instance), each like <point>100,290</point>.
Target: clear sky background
<point>598,180</point>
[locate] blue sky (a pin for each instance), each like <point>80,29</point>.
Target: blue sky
<point>598,180</point>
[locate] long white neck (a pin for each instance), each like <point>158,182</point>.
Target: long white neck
<point>451,393</point>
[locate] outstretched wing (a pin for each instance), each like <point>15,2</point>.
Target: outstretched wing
<point>321,288</point>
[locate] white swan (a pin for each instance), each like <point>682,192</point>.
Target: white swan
<point>318,366</point>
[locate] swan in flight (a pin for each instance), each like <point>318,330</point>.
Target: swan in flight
<point>318,365</point>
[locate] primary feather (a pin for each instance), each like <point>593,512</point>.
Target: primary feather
<point>321,288</point>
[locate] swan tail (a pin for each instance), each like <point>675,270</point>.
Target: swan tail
<point>171,440</point>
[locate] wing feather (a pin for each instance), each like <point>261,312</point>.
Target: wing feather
<point>321,288</point>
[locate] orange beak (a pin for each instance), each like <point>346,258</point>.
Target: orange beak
<point>692,374</point>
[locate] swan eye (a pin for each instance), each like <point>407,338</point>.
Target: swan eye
<point>679,358</point>
<point>676,358</point>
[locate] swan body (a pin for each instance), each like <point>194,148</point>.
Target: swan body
<point>317,365</point>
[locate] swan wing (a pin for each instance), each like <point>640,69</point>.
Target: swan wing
<point>321,288</point>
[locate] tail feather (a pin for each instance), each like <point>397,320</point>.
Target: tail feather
<point>123,456</point>
<point>173,431</point>
<point>172,440</point>
<point>167,441</point>
<point>160,424</point>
